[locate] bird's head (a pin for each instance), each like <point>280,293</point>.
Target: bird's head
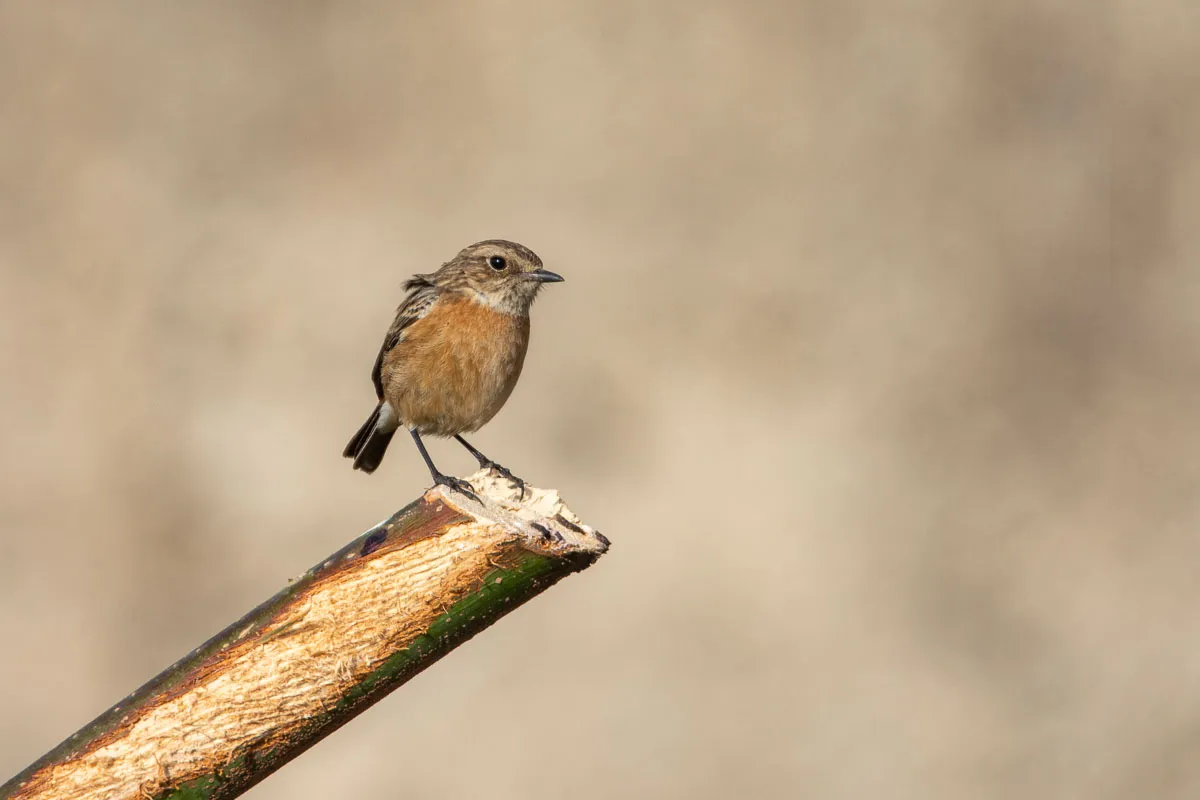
<point>498,273</point>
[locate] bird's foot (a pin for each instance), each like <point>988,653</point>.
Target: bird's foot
<point>504,472</point>
<point>456,485</point>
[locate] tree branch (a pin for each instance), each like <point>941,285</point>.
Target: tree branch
<point>322,650</point>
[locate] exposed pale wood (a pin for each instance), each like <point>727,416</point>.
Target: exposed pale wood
<point>332,643</point>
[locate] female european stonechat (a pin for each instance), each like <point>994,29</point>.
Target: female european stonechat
<point>453,353</point>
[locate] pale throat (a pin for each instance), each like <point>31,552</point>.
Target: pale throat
<point>511,303</point>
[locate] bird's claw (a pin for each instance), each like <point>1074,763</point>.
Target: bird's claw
<point>505,473</point>
<point>456,485</point>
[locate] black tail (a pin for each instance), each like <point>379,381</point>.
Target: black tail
<point>369,444</point>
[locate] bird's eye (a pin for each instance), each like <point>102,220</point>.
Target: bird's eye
<point>497,262</point>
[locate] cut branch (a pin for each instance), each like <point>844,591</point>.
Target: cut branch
<point>321,651</point>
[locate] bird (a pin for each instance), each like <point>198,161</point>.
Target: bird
<point>453,354</point>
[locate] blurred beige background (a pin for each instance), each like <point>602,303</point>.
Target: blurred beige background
<point>877,360</point>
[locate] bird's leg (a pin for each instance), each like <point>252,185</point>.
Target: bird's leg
<point>487,463</point>
<point>456,484</point>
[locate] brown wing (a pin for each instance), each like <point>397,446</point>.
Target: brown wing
<point>421,295</point>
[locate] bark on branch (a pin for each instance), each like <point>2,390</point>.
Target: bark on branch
<point>322,650</point>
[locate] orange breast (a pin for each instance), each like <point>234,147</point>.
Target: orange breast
<point>455,367</point>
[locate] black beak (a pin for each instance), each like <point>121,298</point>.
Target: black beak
<point>544,276</point>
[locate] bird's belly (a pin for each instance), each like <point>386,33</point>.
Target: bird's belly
<point>458,382</point>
